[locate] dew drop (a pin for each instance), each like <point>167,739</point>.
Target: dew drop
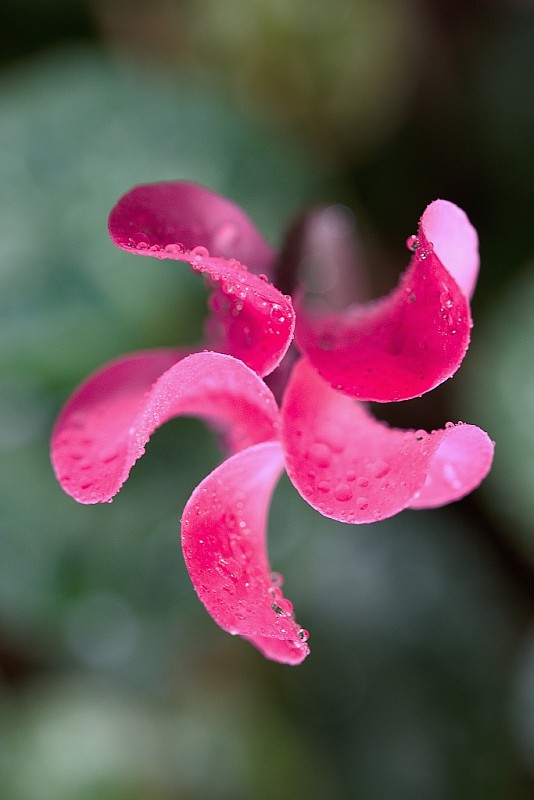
<point>343,492</point>
<point>263,277</point>
<point>201,251</point>
<point>173,249</point>
<point>277,578</point>
<point>324,486</point>
<point>142,246</point>
<point>333,436</point>
<point>380,469</point>
<point>446,300</point>
<point>277,314</point>
<point>362,503</point>
<point>363,483</point>
<point>449,425</point>
<point>320,453</point>
<point>303,634</point>
<point>412,243</point>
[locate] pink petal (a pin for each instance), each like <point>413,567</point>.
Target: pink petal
<point>355,469</point>
<point>162,214</point>
<point>104,427</point>
<point>253,320</point>
<point>224,544</point>
<point>411,341</point>
<point>455,242</point>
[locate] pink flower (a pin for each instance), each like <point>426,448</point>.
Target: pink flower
<point>344,463</point>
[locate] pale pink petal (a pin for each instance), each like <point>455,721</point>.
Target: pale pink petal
<point>252,320</point>
<point>104,427</point>
<point>409,342</point>
<point>162,214</point>
<point>459,464</point>
<point>355,469</point>
<point>455,242</point>
<point>224,544</point>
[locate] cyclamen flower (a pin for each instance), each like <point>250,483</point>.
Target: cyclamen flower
<point>344,463</point>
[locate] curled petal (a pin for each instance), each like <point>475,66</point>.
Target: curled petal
<point>411,341</point>
<point>455,242</point>
<point>104,427</point>
<point>355,469</point>
<point>253,321</point>
<point>162,214</point>
<point>224,544</point>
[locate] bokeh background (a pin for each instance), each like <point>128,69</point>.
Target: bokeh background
<point>114,682</point>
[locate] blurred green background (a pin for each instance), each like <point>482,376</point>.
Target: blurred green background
<point>114,682</point>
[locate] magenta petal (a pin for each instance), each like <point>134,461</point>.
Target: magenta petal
<point>455,242</point>
<point>104,427</point>
<point>355,469</point>
<point>414,339</point>
<point>253,321</point>
<point>461,458</point>
<point>224,544</point>
<point>163,214</point>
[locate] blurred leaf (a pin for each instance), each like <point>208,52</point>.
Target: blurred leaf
<point>498,390</point>
<point>75,134</point>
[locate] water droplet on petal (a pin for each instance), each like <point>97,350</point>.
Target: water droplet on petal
<point>303,634</point>
<point>277,314</point>
<point>203,252</point>
<point>380,469</point>
<point>362,503</point>
<point>412,243</point>
<point>320,453</point>
<point>277,578</point>
<point>343,492</point>
<point>173,249</point>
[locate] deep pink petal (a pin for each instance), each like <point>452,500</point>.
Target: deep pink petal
<point>224,544</point>
<point>162,214</point>
<point>414,339</point>
<point>355,469</point>
<point>455,242</point>
<point>104,427</point>
<point>253,321</point>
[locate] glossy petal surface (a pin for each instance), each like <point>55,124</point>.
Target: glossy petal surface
<point>355,469</point>
<point>104,427</point>
<point>253,321</point>
<point>224,544</point>
<point>414,339</point>
<point>161,214</point>
<point>455,242</point>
